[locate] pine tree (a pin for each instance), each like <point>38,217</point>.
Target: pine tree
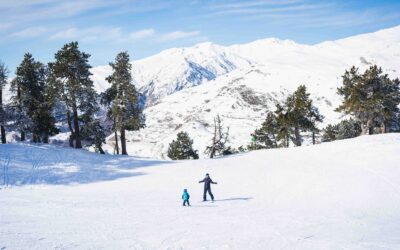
<point>123,99</point>
<point>70,76</point>
<point>266,136</point>
<point>219,140</point>
<point>295,115</point>
<point>303,116</point>
<point>329,133</point>
<point>372,98</point>
<point>32,102</point>
<point>284,125</point>
<point>182,148</point>
<point>348,129</point>
<point>343,130</point>
<point>94,135</point>
<point>3,82</point>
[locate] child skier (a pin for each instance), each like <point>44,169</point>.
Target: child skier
<point>185,197</point>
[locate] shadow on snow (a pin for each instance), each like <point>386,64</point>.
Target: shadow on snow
<point>236,199</point>
<point>27,164</point>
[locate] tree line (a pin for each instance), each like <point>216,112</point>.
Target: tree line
<point>61,96</point>
<point>370,101</point>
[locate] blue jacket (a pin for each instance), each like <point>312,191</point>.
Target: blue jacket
<point>185,196</point>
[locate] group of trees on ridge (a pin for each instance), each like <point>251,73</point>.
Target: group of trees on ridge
<point>61,96</point>
<point>371,100</point>
<point>47,98</point>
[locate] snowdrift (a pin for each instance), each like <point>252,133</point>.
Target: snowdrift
<point>340,195</point>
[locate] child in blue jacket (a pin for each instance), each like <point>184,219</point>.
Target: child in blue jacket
<point>185,197</point>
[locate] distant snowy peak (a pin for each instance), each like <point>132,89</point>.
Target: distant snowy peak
<point>175,69</point>
<point>185,88</point>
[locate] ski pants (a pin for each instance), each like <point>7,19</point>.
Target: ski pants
<point>207,189</point>
<point>186,201</point>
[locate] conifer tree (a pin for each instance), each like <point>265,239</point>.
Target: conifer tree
<point>343,130</point>
<point>372,98</point>
<point>303,115</point>
<point>284,125</point>
<point>71,78</point>
<point>94,135</point>
<point>329,133</point>
<point>266,136</point>
<point>123,99</point>
<point>182,148</point>
<point>32,100</point>
<point>3,82</point>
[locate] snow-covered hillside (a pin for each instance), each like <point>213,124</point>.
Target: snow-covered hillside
<point>339,195</point>
<point>187,87</point>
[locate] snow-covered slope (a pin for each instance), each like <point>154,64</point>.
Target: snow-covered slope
<point>340,195</point>
<point>186,88</point>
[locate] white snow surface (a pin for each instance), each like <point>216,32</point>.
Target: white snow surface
<point>187,87</point>
<point>339,195</point>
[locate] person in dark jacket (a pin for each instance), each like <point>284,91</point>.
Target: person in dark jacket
<point>185,197</point>
<point>207,187</point>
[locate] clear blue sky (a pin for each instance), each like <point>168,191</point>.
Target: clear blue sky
<point>145,27</point>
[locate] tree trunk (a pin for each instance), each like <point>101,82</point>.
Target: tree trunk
<point>71,140</point>
<point>2,130</point>
<point>123,142</point>
<point>212,154</point>
<point>34,138</point>
<point>46,138</point>
<point>313,138</point>
<point>101,150</point>
<point>78,143</point>
<point>22,136</point>
<point>116,137</point>
<point>367,128</point>
<point>297,140</point>
<point>3,135</point>
<point>383,128</point>
<point>364,129</point>
<point>71,136</point>
<point>116,142</point>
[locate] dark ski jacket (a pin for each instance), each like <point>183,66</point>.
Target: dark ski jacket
<point>207,182</point>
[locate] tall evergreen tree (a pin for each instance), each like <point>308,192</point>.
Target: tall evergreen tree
<point>182,148</point>
<point>71,78</point>
<point>295,115</point>
<point>32,100</point>
<point>284,125</point>
<point>3,82</point>
<point>266,136</point>
<point>372,98</point>
<point>123,99</point>
<point>303,115</point>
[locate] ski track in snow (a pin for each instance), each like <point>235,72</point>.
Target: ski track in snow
<point>340,195</point>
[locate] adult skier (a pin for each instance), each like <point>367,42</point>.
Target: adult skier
<point>207,187</point>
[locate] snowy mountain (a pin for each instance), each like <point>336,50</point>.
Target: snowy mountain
<point>339,195</point>
<point>186,88</point>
